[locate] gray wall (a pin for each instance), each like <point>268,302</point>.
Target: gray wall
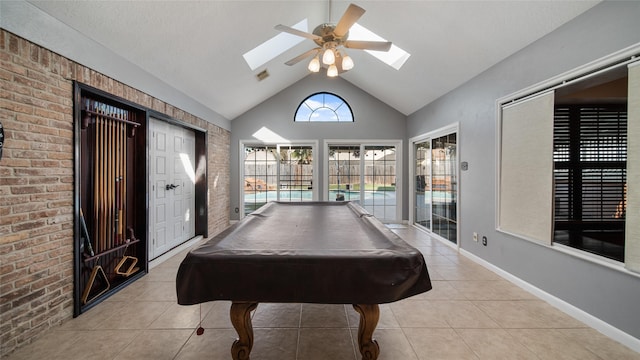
<point>373,120</point>
<point>610,295</point>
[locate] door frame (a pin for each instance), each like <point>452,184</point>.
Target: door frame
<point>201,215</point>
<point>445,130</point>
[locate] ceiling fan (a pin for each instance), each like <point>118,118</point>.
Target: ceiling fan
<point>332,39</point>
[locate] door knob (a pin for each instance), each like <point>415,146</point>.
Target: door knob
<point>171,186</point>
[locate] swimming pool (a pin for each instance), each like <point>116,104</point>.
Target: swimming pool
<point>307,195</point>
<point>253,201</point>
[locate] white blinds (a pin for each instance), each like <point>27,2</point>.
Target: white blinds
<point>632,221</point>
<point>526,169</point>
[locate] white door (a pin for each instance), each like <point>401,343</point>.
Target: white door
<point>172,185</point>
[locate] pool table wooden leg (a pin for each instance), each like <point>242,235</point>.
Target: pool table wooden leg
<point>369,315</point>
<point>241,320</point>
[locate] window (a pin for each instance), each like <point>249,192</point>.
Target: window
<point>274,47</point>
<point>569,155</point>
<point>395,57</point>
<point>324,107</point>
<point>590,153</point>
<point>276,172</point>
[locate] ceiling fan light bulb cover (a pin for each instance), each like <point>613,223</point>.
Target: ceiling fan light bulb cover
<point>347,63</point>
<point>329,58</point>
<point>332,71</point>
<point>314,65</point>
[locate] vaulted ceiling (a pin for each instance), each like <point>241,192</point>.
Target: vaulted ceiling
<point>196,47</point>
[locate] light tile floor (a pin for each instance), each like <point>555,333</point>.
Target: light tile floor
<point>471,313</point>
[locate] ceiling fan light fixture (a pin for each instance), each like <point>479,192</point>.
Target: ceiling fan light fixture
<point>328,58</point>
<point>347,62</point>
<point>332,39</point>
<point>314,64</point>
<point>332,71</point>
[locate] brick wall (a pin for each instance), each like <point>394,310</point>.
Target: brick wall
<point>36,183</point>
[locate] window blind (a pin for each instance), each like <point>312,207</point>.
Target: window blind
<point>526,169</point>
<point>590,153</point>
<point>632,233</point>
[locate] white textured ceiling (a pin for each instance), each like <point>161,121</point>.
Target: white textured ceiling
<point>197,46</point>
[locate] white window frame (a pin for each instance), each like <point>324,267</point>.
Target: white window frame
<point>243,143</point>
<point>324,93</point>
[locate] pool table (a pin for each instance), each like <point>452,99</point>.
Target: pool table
<point>303,252</point>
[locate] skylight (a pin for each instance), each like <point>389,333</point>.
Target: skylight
<point>275,46</point>
<point>395,57</point>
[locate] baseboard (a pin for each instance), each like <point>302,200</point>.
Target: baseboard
<point>592,321</point>
<point>169,254</point>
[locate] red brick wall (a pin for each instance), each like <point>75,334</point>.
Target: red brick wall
<point>36,183</point>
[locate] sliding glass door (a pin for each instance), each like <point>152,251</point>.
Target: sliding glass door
<point>380,181</point>
<point>296,173</point>
<point>435,184</point>
<point>444,185</point>
<point>422,186</point>
<point>260,176</point>
<point>276,172</point>
<point>366,174</point>
<point>344,173</point>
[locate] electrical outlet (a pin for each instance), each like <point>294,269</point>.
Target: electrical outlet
<point>475,236</point>
<point>484,240</point>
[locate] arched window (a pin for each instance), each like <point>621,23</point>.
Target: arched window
<point>324,107</point>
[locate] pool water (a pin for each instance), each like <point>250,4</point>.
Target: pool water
<point>253,201</point>
<point>307,195</point>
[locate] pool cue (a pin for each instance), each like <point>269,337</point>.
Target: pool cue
<point>115,183</point>
<point>86,233</point>
<point>99,189</point>
<point>123,175</point>
<point>118,190</point>
<point>103,185</point>
<point>110,158</point>
<point>103,189</point>
<point>123,172</point>
<point>96,175</point>
<point>118,179</point>
<point>109,179</point>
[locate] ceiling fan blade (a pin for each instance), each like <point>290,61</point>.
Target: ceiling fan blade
<point>368,45</point>
<point>303,56</point>
<point>353,13</point>
<point>297,32</point>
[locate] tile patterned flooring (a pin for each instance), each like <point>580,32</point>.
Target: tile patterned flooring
<point>471,313</point>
